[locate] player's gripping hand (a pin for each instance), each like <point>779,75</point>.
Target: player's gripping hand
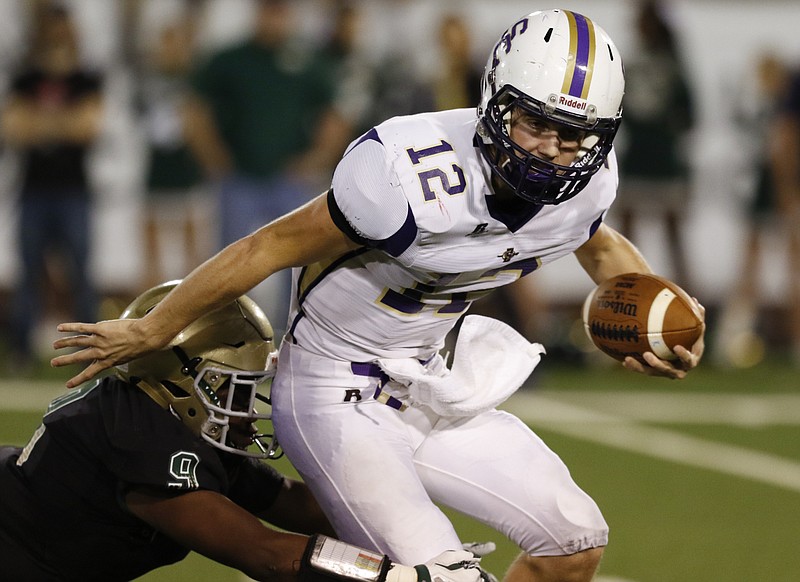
<point>331,559</point>
<point>449,566</point>
<point>674,369</point>
<point>482,549</point>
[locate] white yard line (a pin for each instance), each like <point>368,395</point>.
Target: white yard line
<point>749,410</point>
<point>620,431</point>
<point>610,418</point>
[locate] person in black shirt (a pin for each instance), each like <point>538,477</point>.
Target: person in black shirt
<point>133,471</point>
<point>51,119</point>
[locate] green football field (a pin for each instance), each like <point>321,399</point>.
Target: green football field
<point>699,480</point>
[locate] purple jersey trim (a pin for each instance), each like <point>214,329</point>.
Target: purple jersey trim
<point>372,134</point>
<point>397,244</point>
<point>394,245</point>
<point>595,225</point>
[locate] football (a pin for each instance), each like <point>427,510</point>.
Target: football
<point>630,314</point>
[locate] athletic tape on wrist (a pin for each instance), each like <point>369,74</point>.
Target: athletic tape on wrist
<point>337,559</point>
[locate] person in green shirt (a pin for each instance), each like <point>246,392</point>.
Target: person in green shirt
<point>262,123</point>
<point>176,201</point>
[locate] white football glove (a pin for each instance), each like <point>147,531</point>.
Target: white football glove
<point>482,549</point>
<point>451,566</point>
<point>332,558</point>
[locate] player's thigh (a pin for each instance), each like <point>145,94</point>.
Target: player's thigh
<point>497,470</point>
<point>356,455</point>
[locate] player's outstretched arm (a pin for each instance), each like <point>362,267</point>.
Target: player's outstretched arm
<point>213,525</point>
<point>302,237</point>
<point>209,523</point>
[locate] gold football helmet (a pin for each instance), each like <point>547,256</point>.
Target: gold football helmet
<point>210,373</point>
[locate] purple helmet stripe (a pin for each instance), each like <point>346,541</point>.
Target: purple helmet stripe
<point>578,75</point>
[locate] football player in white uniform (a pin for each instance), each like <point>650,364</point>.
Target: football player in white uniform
<point>427,213</point>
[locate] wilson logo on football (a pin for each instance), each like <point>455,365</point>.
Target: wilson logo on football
<point>618,307</point>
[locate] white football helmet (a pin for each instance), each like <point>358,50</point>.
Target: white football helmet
<point>560,66</point>
<point>211,372</point>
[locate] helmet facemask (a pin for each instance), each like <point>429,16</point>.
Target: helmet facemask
<point>531,178</point>
<point>228,395</point>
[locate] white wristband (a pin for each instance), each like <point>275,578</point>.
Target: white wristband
<point>338,559</point>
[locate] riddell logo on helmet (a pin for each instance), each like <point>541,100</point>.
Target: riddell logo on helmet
<point>573,104</point>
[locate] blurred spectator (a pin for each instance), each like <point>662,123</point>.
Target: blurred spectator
<point>785,158</point>
<point>398,84</point>
<point>458,83</point>
<point>262,124</point>
<point>659,113</point>
<point>52,116</point>
<point>351,69</point>
<point>176,199</point>
<point>738,341</point>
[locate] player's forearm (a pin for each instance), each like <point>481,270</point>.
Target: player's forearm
<point>275,560</point>
<point>302,237</point>
<point>221,279</point>
<point>608,253</point>
<point>296,509</point>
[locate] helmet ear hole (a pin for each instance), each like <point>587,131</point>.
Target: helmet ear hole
<point>191,412</point>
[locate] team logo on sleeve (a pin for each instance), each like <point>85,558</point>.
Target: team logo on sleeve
<point>183,467</point>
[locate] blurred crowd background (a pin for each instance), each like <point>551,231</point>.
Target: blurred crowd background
<point>140,136</point>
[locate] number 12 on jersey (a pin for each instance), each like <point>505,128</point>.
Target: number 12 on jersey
<point>426,177</point>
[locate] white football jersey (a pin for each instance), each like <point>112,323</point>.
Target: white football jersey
<point>415,190</point>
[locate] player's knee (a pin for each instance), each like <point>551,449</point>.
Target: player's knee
<point>578,567</point>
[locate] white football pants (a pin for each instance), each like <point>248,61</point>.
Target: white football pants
<point>377,471</point>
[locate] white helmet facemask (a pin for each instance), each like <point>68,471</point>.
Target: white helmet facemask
<point>557,66</point>
<point>230,394</point>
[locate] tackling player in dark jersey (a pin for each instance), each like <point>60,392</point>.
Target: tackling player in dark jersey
<point>132,472</point>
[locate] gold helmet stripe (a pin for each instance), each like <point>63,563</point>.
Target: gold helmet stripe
<point>580,64</point>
